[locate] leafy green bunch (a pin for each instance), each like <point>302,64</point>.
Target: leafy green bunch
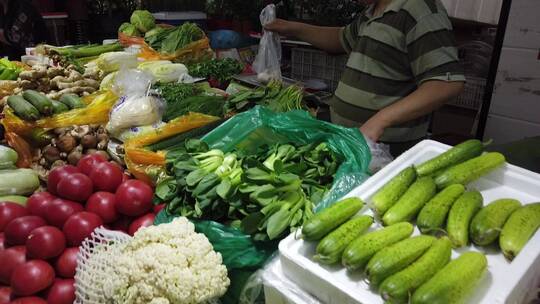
<point>265,194</point>
<point>220,69</point>
<point>170,40</point>
<point>274,96</point>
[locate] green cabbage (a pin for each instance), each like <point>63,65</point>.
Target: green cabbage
<point>129,29</point>
<point>143,20</point>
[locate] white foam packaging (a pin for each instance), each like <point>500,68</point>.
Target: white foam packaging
<point>505,282</point>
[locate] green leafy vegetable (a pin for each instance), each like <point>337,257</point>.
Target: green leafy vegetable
<point>274,96</point>
<point>265,194</point>
<point>129,29</point>
<point>143,20</point>
<point>180,37</point>
<point>219,69</point>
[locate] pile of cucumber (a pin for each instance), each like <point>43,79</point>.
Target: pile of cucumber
<point>402,268</point>
<point>434,194</point>
<point>419,269</point>
<point>32,105</point>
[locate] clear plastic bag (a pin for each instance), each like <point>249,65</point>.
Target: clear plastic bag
<point>267,62</point>
<point>380,155</point>
<point>136,107</point>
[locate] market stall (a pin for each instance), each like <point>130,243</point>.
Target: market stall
<point>141,172</point>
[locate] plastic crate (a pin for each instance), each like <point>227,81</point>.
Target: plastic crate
<point>472,95</point>
<point>314,64</point>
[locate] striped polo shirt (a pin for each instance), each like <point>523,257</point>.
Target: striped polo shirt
<point>390,55</point>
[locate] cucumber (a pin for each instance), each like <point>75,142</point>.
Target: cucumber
<point>458,154</point>
<point>18,182</point>
<point>8,158</point>
<point>389,194</point>
<point>470,170</point>
<point>38,100</point>
<point>58,107</point>
<point>328,219</point>
<point>23,108</point>
<point>21,200</point>
<point>488,222</point>
<point>431,218</point>
<point>72,101</point>
<point>331,247</point>
<point>408,206</point>
<point>398,287</point>
<point>454,282</point>
<point>358,253</point>
<point>396,257</point>
<point>518,229</point>
<point>460,215</point>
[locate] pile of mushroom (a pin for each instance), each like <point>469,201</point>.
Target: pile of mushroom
<point>68,146</point>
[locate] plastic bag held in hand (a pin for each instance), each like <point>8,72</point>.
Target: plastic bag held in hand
<point>267,62</point>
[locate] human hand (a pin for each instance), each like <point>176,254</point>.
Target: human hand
<point>372,130</point>
<point>280,26</point>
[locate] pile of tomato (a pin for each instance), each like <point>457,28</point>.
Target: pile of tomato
<point>39,242</point>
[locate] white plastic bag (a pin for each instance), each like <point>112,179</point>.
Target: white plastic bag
<point>380,155</point>
<point>136,107</point>
<point>267,62</point>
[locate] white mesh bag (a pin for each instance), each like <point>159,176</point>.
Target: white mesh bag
<point>93,258</point>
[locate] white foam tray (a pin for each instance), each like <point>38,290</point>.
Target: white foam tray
<point>505,282</point>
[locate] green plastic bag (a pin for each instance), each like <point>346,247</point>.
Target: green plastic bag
<point>259,126</point>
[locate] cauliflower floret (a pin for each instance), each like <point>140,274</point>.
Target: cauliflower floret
<point>169,263</point>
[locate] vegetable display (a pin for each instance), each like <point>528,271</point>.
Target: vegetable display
<point>264,194</point>
<point>40,236</point>
<point>219,71</point>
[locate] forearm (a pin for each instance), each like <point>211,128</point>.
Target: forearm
<point>427,98</point>
<point>322,37</point>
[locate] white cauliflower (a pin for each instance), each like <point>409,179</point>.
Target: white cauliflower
<point>166,264</point>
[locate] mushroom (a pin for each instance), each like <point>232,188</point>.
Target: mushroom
<point>66,143</point>
<point>80,131</point>
<point>50,154</point>
<point>75,155</point>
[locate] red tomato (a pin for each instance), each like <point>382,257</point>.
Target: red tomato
<point>66,264</point>
<point>104,205</point>
<point>45,242</point>
<point>125,177</point>
<point>2,241</point>
<point>38,202</point>
<point>59,210</point>
<point>134,198</point>
<point>88,162</point>
<point>9,259</point>
<point>56,175</point>
<point>5,295</point>
<point>61,292</point>
<point>122,224</point>
<point>10,211</point>
<point>76,187</point>
<point>143,221</point>
<point>29,300</point>
<point>157,208</point>
<point>106,177</point>
<point>19,229</point>
<point>79,226</point>
<point>31,277</point>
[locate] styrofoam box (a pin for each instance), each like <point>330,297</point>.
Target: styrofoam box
<point>505,282</point>
<point>278,289</point>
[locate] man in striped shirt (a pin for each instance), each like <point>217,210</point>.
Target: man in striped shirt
<point>403,64</point>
